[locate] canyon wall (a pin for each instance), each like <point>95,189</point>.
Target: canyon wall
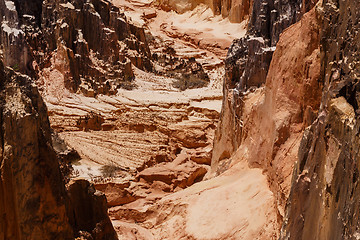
<point>298,107</point>
<point>35,203</point>
<point>272,92</point>
<point>87,47</point>
<point>32,189</point>
<point>239,10</point>
<point>247,66</point>
<point>324,202</point>
<point>235,10</point>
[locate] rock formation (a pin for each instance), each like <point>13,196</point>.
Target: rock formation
<point>263,125</point>
<point>90,45</point>
<point>235,10</point>
<point>14,50</point>
<point>305,114</point>
<point>247,66</point>
<point>284,158</point>
<point>34,201</point>
<point>87,47</point>
<point>323,203</point>
<point>88,211</point>
<point>182,5</point>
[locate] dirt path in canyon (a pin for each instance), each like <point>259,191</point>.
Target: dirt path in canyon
<point>145,147</point>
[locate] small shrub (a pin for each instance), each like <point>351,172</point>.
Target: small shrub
<point>109,170</point>
<point>127,85</point>
<point>190,83</point>
<point>16,67</point>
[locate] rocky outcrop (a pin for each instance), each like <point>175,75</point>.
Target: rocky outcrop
<point>324,203</point>
<point>33,195</point>
<point>249,58</point>
<point>14,51</point>
<point>247,66</point>
<point>180,6</point>
<point>33,201</point>
<point>188,73</point>
<point>88,211</point>
<point>236,10</point>
<point>89,46</point>
<point>262,127</point>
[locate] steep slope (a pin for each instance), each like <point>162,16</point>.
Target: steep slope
<point>35,203</point>
<point>32,188</point>
<point>266,123</point>
<point>87,47</point>
<point>247,66</point>
<point>323,203</point>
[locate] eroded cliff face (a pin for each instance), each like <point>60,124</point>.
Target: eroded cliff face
<point>305,116</point>
<point>323,203</point>
<point>87,47</point>
<point>235,10</point>
<point>32,189</point>
<point>14,50</point>
<point>247,67</point>
<point>35,203</point>
<point>262,121</point>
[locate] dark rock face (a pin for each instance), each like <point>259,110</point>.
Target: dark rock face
<point>14,51</point>
<point>29,8</point>
<point>324,202</point>
<point>86,35</point>
<point>32,199</point>
<point>249,58</point>
<point>34,203</point>
<point>88,211</point>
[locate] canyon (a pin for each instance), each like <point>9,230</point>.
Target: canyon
<point>189,119</point>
